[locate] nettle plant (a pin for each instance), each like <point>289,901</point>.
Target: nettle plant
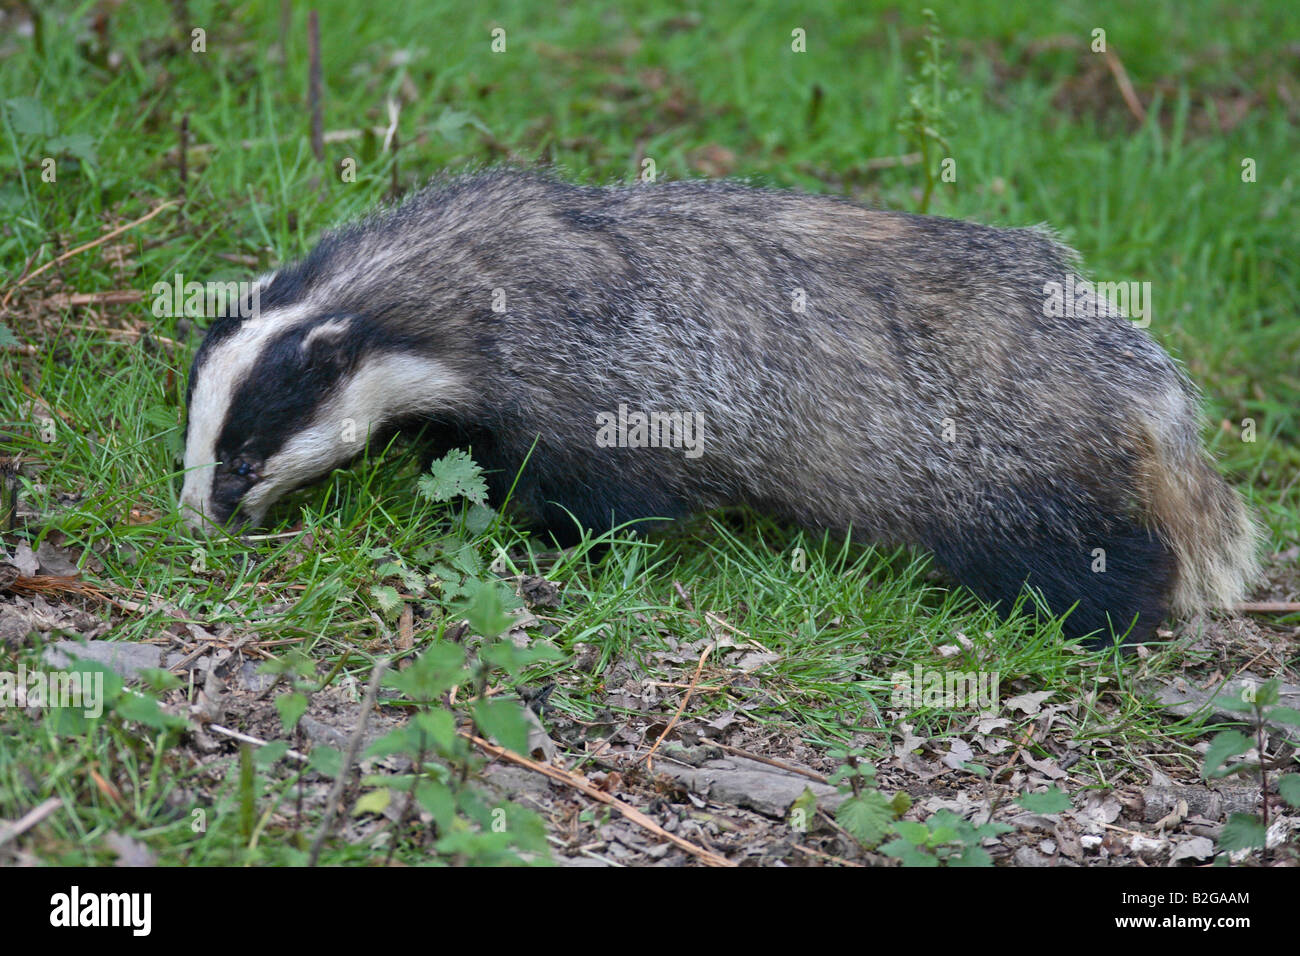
<point>1261,707</point>
<point>943,839</point>
<point>455,562</point>
<point>447,684</point>
<point>470,824</point>
<point>924,121</point>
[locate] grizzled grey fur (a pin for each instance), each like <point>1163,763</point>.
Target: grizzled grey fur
<point>894,375</point>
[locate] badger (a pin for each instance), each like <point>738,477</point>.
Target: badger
<point>615,355</point>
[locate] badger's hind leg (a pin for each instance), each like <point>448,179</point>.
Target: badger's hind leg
<point>1118,575</point>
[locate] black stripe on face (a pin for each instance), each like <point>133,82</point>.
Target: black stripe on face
<point>281,396</point>
<point>295,374</point>
<point>286,287</point>
<point>289,383</point>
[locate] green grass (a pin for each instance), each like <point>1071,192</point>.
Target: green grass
<point>1042,136</point>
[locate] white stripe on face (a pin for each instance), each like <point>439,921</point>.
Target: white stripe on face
<point>387,386</point>
<point>225,367</point>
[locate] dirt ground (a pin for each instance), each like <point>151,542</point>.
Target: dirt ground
<point>719,791</point>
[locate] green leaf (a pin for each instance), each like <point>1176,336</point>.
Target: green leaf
<point>428,730</point>
<point>159,416</point>
<point>971,856</point>
<point>478,519</point>
<point>291,707</point>
<point>273,751</point>
<point>79,145</point>
<point>1051,801</point>
<point>440,668</point>
<point>436,729</point>
<point>1268,693</point>
<point>503,720</point>
<point>388,569</point>
<point>100,690</point>
<point>413,581</point>
<point>990,829</point>
<point>454,476</point>
<point>1288,786</point>
<point>1224,746</point>
<point>526,829</point>
<point>400,782</point>
<point>1234,703</point>
<point>1242,832</point>
<point>294,663</point>
<point>486,609</point>
<point>1285,715</point>
<point>158,680</point>
<point>901,849</point>
<point>7,337</point>
<point>145,710</point>
<point>66,721</point>
<point>940,835</point>
<point>376,801</point>
<point>29,116</point>
<point>326,760</point>
<point>438,800</point>
<point>399,741</point>
<point>94,673</point>
<point>867,817</point>
<point>513,660</point>
<point>913,832</point>
<point>451,124</point>
<point>390,602</point>
<point>807,802</point>
<point>465,559</point>
<point>901,803</point>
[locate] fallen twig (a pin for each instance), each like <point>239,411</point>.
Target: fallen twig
<point>704,655</point>
<point>1125,86</point>
<point>63,300</point>
<point>83,247</point>
<point>130,333</point>
<point>53,584</point>
<point>825,856</point>
<point>888,162</point>
<point>32,817</point>
<point>789,768</point>
<point>248,739</point>
<point>349,757</point>
<point>572,780</point>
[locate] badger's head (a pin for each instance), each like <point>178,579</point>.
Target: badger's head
<point>278,399</point>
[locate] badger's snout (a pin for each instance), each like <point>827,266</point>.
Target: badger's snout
<point>204,511</point>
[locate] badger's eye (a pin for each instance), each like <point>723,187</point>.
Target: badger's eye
<point>241,468</point>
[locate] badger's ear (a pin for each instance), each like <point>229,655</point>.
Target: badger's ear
<point>332,346</point>
<point>335,332</point>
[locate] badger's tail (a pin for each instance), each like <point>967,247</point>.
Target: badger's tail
<point>1196,514</point>
<point>1171,532</point>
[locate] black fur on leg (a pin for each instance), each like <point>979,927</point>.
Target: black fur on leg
<point>996,561</point>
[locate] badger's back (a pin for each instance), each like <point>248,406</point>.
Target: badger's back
<point>898,375</point>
